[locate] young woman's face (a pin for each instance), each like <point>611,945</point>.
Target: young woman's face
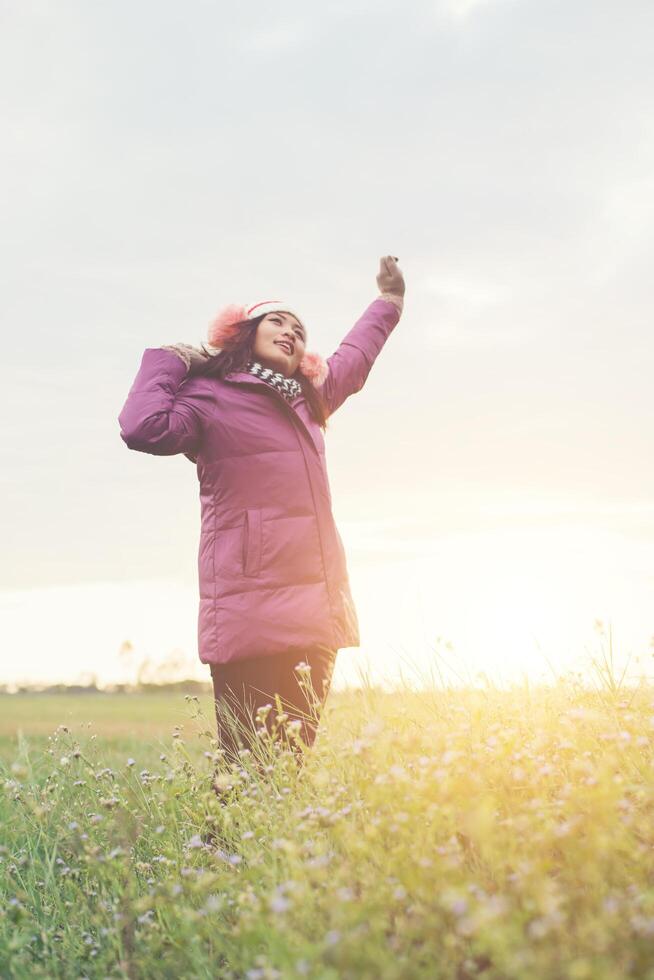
<point>280,342</point>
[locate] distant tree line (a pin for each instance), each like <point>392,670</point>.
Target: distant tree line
<point>184,686</point>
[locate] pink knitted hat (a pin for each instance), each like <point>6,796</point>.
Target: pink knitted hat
<point>222,329</point>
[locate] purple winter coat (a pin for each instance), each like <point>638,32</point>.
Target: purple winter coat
<point>271,563</point>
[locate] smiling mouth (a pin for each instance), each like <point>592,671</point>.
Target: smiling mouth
<point>287,347</point>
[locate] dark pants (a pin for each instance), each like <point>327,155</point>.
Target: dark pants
<point>247,685</point>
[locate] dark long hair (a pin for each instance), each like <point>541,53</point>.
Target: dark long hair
<point>236,353</point>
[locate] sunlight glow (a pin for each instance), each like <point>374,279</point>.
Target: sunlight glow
<point>502,604</point>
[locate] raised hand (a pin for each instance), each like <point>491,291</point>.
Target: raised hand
<point>390,278</point>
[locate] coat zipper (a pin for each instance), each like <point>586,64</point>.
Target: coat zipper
<point>246,535</point>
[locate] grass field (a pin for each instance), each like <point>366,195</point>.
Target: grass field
<point>112,715</point>
<point>455,834</point>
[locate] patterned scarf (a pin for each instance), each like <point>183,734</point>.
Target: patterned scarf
<point>288,387</point>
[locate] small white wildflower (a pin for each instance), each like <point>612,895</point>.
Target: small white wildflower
<point>131,762</point>
<point>642,924</point>
<point>466,926</point>
<point>374,727</point>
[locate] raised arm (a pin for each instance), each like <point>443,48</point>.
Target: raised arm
<point>351,362</point>
<point>163,416</point>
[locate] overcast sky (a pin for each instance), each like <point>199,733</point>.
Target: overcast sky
<point>163,159</point>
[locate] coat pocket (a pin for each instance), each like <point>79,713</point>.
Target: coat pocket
<point>252,543</point>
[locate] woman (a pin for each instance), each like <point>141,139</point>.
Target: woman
<point>249,410</point>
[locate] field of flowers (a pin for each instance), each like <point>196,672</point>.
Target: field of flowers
<point>443,834</point>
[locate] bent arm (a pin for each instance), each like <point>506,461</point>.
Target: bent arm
<point>350,364</point>
<point>157,417</point>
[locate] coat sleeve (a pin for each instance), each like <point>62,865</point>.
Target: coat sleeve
<point>351,362</point>
<point>162,416</point>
